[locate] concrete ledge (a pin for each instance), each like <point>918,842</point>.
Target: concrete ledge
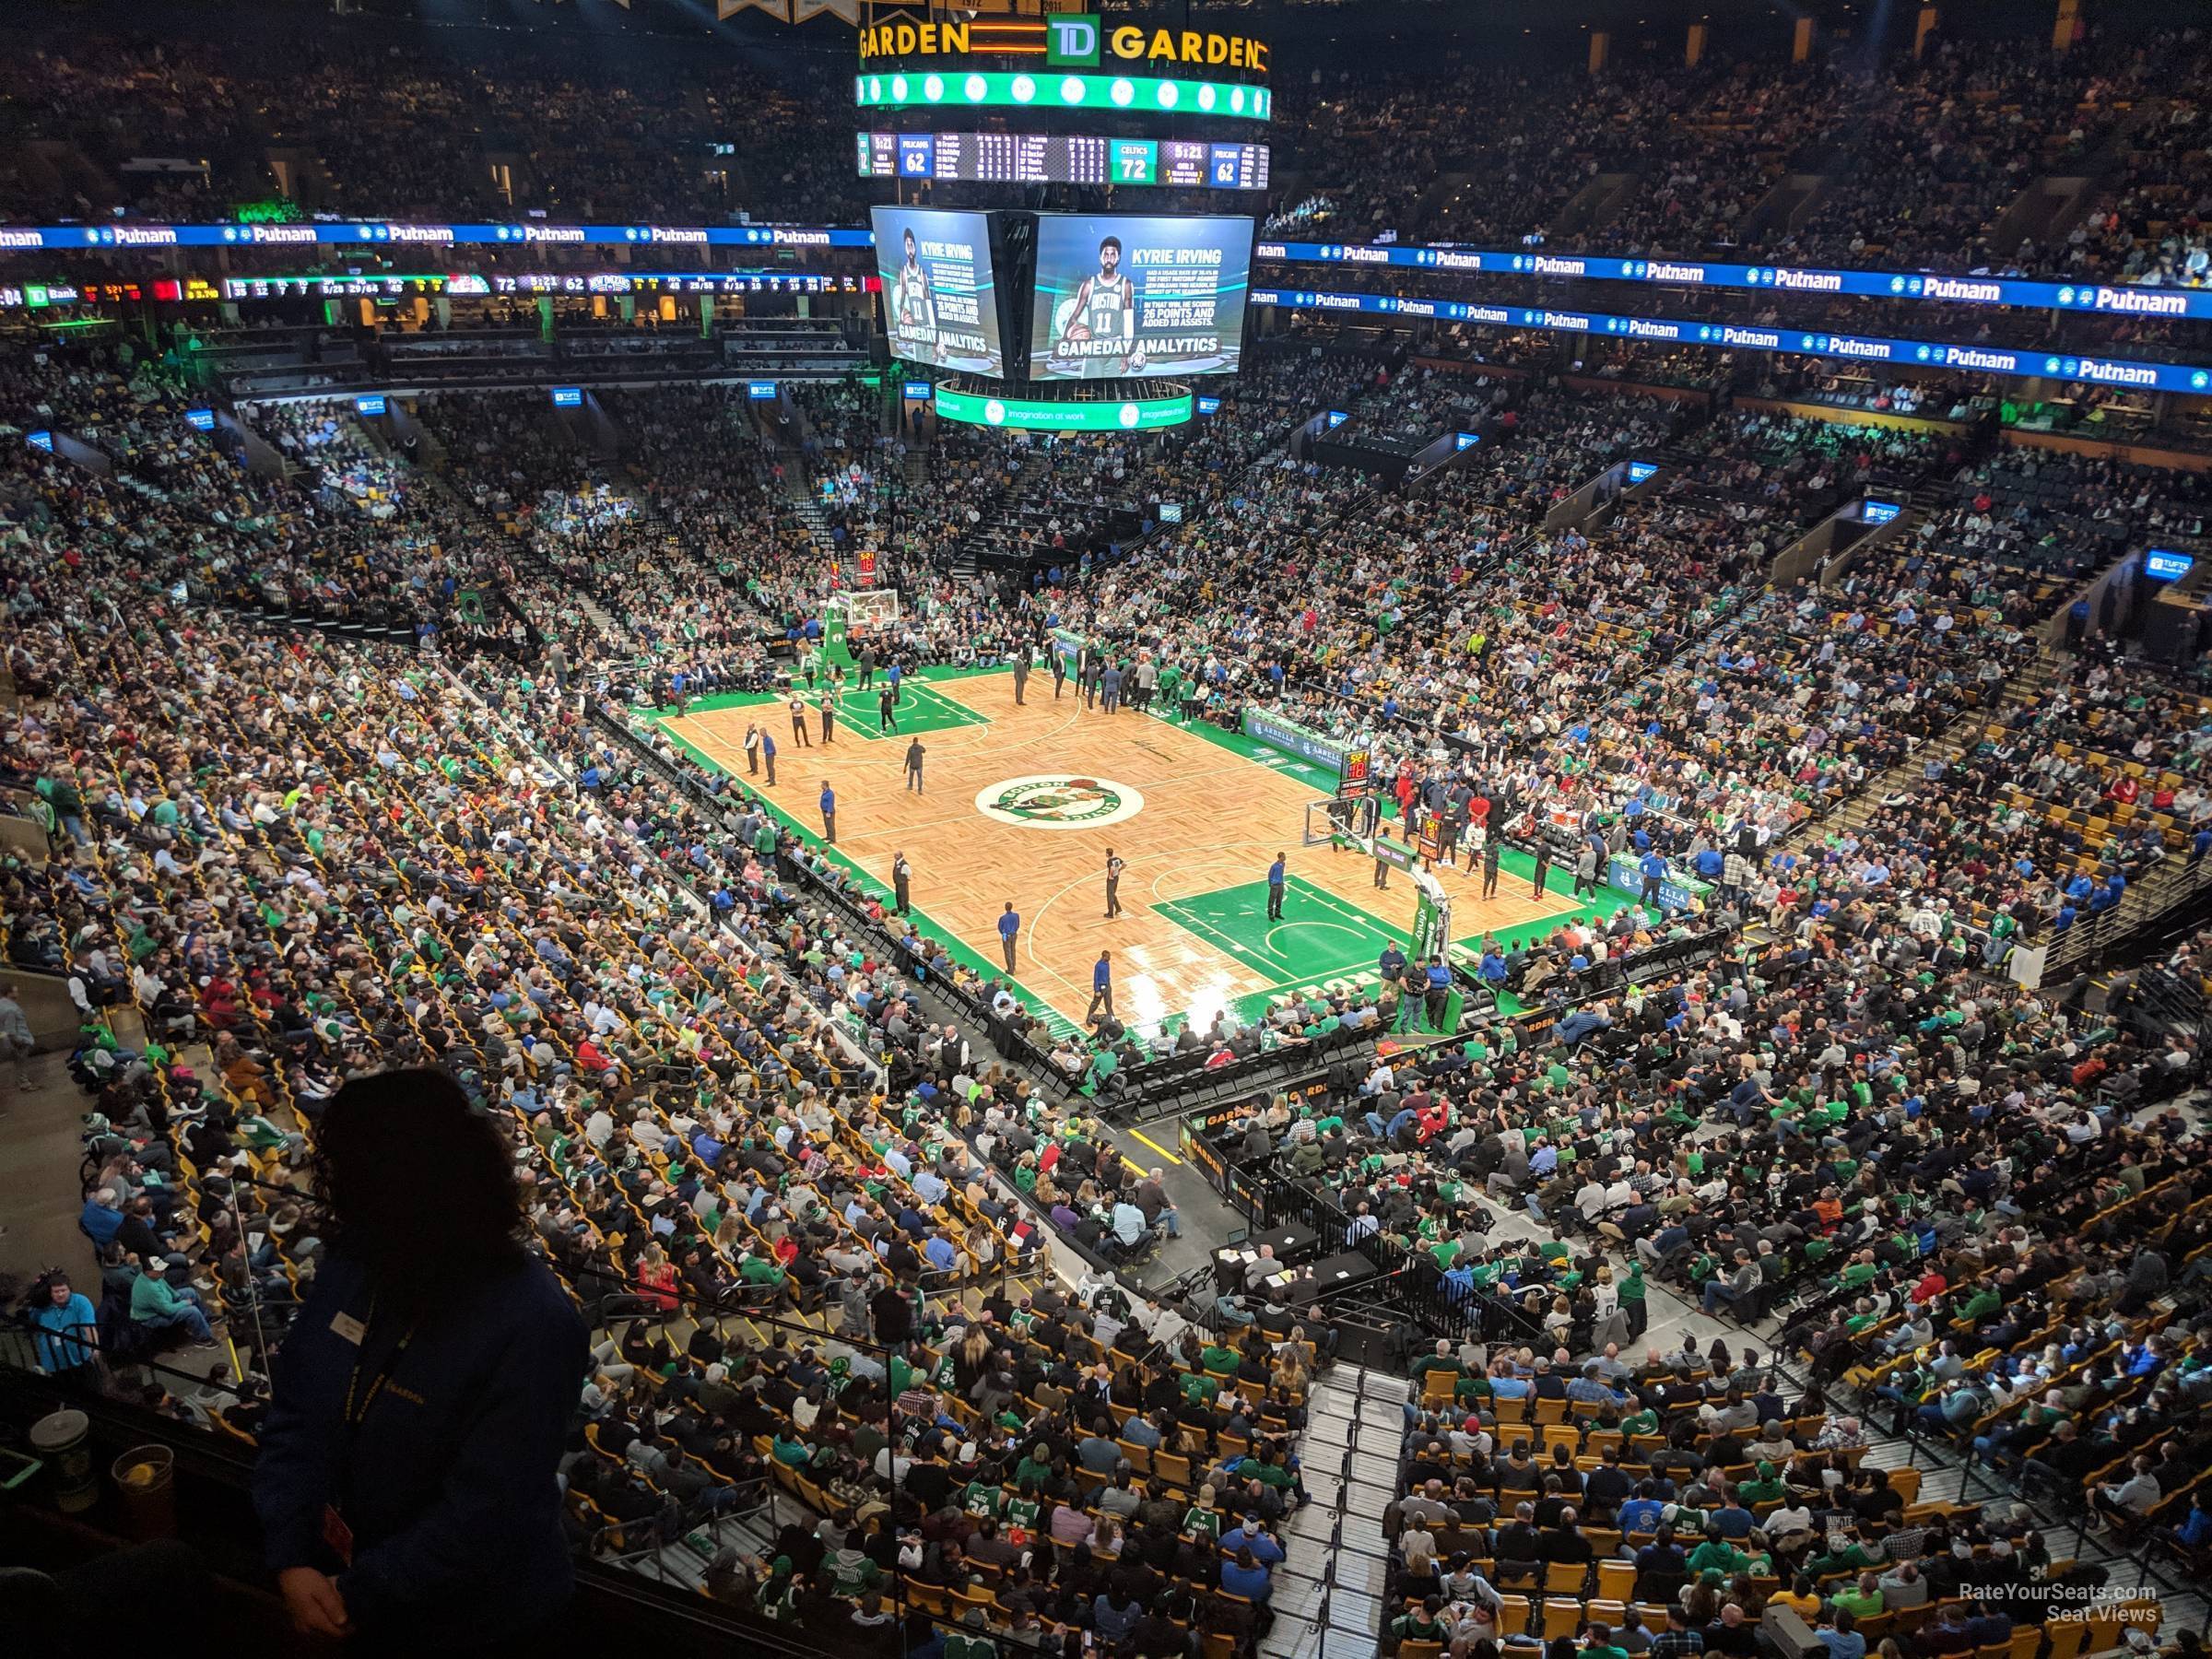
<point>23,837</point>
<point>45,999</point>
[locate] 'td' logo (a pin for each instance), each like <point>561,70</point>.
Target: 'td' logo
<point>1071,39</point>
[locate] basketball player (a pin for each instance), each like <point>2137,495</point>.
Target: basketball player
<point>911,307</point>
<point>1115,867</point>
<point>1105,309</point>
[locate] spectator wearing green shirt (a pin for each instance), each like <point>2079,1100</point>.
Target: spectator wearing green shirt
<point>1766,1488</point>
<point>779,1596</point>
<point>1204,1521</point>
<point>982,1498</point>
<point>1268,1471</point>
<point>1981,1304</point>
<point>1716,1555</point>
<point>1442,1360</point>
<point>1422,1624</point>
<point>1862,1599</point>
<point>1850,1558</point>
<point>155,1302</point>
<point>1631,1291</point>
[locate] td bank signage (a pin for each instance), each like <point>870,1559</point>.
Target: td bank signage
<point>1076,39</point>
<point>1070,39</point>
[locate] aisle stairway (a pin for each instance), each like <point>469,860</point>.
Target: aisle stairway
<point>1328,1598</point>
<point>2029,682</point>
<point>808,508</point>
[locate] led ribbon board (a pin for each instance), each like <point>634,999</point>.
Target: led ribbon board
<point>2013,364</point>
<point>1136,415</point>
<point>2122,301</point>
<point>67,239</point>
<point>982,89</point>
<point>473,284</point>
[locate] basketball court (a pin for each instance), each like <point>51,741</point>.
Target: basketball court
<point>1021,804</point>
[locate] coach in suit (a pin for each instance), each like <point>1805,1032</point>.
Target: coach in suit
<point>1059,670</point>
<point>902,874</point>
<point>1021,673</point>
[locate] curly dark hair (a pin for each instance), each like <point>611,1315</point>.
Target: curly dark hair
<point>419,1184</point>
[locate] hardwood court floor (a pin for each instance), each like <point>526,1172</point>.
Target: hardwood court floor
<point>1193,935</point>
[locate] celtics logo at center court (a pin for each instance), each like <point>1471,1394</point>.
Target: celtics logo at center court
<point>1058,801</point>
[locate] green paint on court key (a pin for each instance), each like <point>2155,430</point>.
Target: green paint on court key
<point>1319,939</point>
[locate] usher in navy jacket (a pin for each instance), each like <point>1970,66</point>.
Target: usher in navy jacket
<point>448,1483</point>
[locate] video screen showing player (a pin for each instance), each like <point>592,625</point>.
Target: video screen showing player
<point>940,304</point>
<point>910,307</point>
<point>1102,311</point>
<point>1122,295</point>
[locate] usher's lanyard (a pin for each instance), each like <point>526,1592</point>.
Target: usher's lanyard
<point>359,1401</point>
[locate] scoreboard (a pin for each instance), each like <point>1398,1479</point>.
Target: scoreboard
<point>1063,159</point>
<point>1190,164</point>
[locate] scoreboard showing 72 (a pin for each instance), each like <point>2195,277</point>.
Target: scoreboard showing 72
<point>1187,164</point>
<point>1063,159</point>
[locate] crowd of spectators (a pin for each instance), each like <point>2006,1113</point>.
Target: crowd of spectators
<point>1918,163</point>
<point>319,857</point>
<point>314,855</point>
<point>396,129</point>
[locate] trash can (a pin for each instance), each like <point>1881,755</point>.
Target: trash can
<point>147,1478</point>
<point>61,1443</point>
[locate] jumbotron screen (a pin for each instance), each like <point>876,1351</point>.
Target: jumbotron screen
<point>1120,295</point>
<point>940,299</point>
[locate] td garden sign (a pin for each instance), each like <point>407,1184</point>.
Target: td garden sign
<point>1067,40</point>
